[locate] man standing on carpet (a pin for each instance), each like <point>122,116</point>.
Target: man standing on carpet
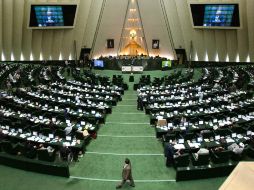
<point>126,174</point>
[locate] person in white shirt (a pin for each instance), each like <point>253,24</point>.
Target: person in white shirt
<point>202,151</point>
<point>235,148</point>
<point>201,95</point>
<point>68,129</point>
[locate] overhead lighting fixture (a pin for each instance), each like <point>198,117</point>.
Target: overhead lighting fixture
<point>227,58</point>
<point>206,57</point>
<point>70,57</point>
<point>31,57</point>
<point>217,57</point>
<point>248,58</point>
<point>237,59</point>
<point>196,57</point>
<point>133,33</point>
<point>3,56</point>
<point>41,57</point>
<point>12,57</point>
<point>132,28</point>
<point>60,57</point>
<point>21,57</point>
<point>133,19</point>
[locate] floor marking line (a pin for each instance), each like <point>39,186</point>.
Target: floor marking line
<point>127,136</point>
<point>123,154</point>
<point>116,180</point>
<point>130,113</point>
<point>126,105</point>
<point>127,123</point>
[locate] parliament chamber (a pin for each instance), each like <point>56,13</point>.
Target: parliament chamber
<point>130,94</point>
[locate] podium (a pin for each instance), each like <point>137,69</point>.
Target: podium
<point>132,69</point>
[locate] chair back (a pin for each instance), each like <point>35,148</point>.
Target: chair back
<point>203,159</point>
<point>43,155</point>
<point>60,133</point>
<point>7,147</point>
<point>182,160</point>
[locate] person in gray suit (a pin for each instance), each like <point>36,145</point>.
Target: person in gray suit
<point>126,174</point>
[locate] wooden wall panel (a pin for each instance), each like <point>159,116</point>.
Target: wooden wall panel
<point>7,28</point>
<point>36,44</point>
<point>81,23</point>
<point>250,23</point>
<point>232,47</point>
<point>16,38</point>
<point>174,23</point>
<point>93,16</point>
<point>56,44</point>
<point>18,15</point>
<point>242,35</point>
<point>184,18</point>
<point>109,24</point>
<point>1,26</point>
<point>209,39</point>
<point>198,45</point>
<point>26,33</point>
<point>221,48</point>
<point>47,38</point>
<point>67,44</point>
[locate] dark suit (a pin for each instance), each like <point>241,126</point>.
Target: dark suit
<point>169,154</point>
<point>30,151</point>
<point>2,136</point>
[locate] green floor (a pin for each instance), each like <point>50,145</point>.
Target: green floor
<point>127,133</point>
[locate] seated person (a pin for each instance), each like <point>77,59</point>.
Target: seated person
<point>97,114</point>
<point>66,114</point>
<point>30,150</point>
<point>232,88</point>
<point>201,95</point>
<point>65,152</point>
<point>82,134</point>
<point>218,149</point>
<point>251,143</point>
<point>170,130</point>
<point>51,125</point>
<point>183,120</point>
<point>93,134</point>
<point>178,153</point>
<point>2,136</point>
<point>204,131</point>
<point>223,143</point>
<point>49,148</point>
<point>85,133</point>
<point>202,151</point>
<point>68,129</point>
<point>236,149</point>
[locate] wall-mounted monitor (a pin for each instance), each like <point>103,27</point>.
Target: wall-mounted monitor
<point>215,15</point>
<point>166,63</point>
<point>98,63</point>
<point>52,16</point>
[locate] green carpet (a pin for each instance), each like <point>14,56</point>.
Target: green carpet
<point>114,145</point>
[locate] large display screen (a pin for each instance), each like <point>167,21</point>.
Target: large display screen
<point>215,15</point>
<point>166,63</point>
<point>52,16</point>
<point>98,63</point>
